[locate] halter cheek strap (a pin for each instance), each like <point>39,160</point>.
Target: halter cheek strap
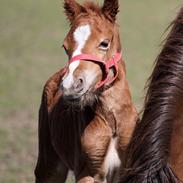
<point>111,63</point>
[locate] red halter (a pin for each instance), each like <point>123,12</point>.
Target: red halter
<point>111,63</point>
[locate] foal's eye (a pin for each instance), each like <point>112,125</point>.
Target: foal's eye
<point>104,45</point>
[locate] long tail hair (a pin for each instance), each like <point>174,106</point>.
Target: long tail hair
<point>147,155</point>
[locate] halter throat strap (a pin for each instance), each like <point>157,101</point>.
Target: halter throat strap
<point>106,66</point>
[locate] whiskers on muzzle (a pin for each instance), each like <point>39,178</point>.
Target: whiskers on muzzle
<point>78,103</point>
<point>79,94</point>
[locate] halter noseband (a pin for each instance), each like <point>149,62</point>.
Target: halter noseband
<point>111,63</point>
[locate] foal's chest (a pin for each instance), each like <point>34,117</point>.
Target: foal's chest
<point>112,160</point>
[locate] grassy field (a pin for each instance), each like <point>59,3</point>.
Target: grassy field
<point>31,35</point>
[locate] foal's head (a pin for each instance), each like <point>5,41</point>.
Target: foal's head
<point>93,32</point>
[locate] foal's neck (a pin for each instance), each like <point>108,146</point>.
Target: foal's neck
<point>117,106</point>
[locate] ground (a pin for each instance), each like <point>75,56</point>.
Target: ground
<point>31,35</point>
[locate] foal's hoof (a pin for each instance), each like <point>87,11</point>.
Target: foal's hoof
<point>87,180</point>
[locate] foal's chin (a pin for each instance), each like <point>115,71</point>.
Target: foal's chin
<point>81,101</point>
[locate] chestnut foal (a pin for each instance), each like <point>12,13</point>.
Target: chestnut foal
<point>82,125</point>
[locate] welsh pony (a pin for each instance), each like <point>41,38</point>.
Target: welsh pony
<point>86,116</point>
<point>155,152</point>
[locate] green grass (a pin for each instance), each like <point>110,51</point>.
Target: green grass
<point>31,34</point>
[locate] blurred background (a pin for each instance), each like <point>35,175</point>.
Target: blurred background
<point>31,35</point>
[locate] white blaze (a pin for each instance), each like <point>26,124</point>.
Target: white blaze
<point>81,35</point>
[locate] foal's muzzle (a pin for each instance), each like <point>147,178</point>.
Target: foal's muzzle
<point>75,91</point>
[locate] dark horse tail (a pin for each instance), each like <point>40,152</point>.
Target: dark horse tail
<point>147,155</point>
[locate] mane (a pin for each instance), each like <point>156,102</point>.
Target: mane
<point>91,6</point>
<point>146,159</point>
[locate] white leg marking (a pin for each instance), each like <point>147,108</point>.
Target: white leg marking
<point>81,35</point>
<point>112,159</point>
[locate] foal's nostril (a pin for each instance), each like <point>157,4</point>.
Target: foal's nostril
<point>78,85</point>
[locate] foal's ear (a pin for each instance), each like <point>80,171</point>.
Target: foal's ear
<point>72,9</point>
<point>110,9</point>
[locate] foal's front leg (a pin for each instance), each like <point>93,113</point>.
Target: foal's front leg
<point>95,141</point>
